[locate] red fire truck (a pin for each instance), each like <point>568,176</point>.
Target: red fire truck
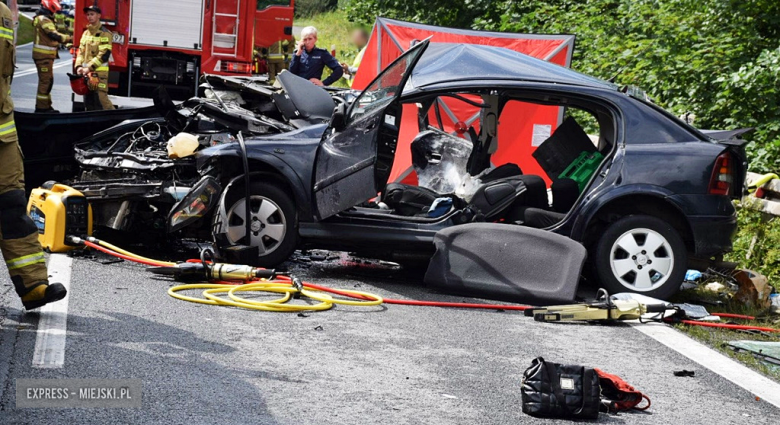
<point>172,42</point>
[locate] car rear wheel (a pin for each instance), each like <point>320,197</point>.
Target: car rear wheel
<point>641,254</point>
<point>273,223</point>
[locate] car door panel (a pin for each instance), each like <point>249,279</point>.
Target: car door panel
<point>353,164</point>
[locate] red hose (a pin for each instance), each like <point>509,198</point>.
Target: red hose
<point>726,326</point>
<point>449,304</point>
<point>734,316</point>
<point>416,302</point>
<point>122,256</point>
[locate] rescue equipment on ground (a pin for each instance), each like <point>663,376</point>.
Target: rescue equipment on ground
<point>553,390</point>
<point>603,309</point>
<point>78,83</point>
<point>57,212</point>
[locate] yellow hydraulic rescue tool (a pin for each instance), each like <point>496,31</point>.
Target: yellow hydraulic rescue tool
<point>603,309</point>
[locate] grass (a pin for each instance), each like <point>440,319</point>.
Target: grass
<point>25,32</point>
<point>717,338</point>
<point>333,29</point>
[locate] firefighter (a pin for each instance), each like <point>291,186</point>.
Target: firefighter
<point>92,60</point>
<point>279,57</point>
<point>19,244</point>
<point>59,21</point>
<point>70,21</point>
<point>45,51</point>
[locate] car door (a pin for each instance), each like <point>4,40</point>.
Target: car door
<point>353,164</point>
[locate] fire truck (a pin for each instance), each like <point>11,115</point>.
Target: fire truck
<point>171,43</point>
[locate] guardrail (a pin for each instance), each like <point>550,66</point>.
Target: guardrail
<point>766,197</point>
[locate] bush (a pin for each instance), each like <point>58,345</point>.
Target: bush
<point>309,8</point>
<point>757,244</point>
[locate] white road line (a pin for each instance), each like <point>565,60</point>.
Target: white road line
<point>53,323</point>
<point>757,384</point>
<point>35,70</point>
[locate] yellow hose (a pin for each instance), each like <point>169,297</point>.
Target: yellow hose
<point>766,178</point>
<point>281,305</point>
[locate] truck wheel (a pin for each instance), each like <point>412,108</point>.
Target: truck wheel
<point>274,223</point>
<point>642,254</point>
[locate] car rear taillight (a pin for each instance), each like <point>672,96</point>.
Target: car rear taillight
<point>722,175</point>
<point>237,67</point>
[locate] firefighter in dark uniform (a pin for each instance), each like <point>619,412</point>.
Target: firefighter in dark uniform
<point>45,52</point>
<point>92,60</point>
<point>19,244</point>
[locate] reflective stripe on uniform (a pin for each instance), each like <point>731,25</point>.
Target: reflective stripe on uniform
<point>43,96</point>
<point>7,128</point>
<point>6,33</point>
<point>46,50</point>
<point>102,86</point>
<point>27,260</point>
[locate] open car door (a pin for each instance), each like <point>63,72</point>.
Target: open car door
<point>353,164</point>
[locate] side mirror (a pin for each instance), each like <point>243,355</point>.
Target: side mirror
<point>339,119</point>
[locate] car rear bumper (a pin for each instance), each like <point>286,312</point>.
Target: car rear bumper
<point>712,235</point>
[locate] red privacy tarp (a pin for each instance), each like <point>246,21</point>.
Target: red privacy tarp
<point>518,138</point>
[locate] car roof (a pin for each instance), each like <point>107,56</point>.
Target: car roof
<point>447,62</point>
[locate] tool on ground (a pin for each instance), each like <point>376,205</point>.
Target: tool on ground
<point>603,309</point>
<point>200,272</point>
<point>59,211</point>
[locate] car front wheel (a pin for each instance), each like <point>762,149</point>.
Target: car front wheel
<point>641,254</point>
<point>273,223</point>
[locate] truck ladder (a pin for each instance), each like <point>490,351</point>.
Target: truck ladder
<point>224,40</point>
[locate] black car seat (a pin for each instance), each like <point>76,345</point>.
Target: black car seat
<point>565,193</point>
<point>303,103</point>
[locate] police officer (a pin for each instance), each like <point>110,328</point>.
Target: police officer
<point>18,235</point>
<point>47,42</point>
<point>92,60</point>
<point>309,60</point>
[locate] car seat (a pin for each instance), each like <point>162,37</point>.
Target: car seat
<point>565,193</point>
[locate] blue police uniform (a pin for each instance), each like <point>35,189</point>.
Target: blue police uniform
<point>310,65</point>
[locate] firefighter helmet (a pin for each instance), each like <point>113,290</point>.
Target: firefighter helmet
<point>79,84</point>
<point>51,5</point>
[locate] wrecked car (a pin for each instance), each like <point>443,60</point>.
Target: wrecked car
<point>138,164</point>
<point>646,193</point>
<point>655,192</point>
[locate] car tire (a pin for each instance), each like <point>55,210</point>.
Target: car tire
<point>641,254</point>
<point>275,223</point>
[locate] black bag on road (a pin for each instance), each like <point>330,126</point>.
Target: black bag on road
<point>552,390</point>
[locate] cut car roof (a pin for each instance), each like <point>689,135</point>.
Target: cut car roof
<point>445,62</point>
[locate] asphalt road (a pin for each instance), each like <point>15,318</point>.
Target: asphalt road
<point>350,365</point>
<point>25,83</point>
